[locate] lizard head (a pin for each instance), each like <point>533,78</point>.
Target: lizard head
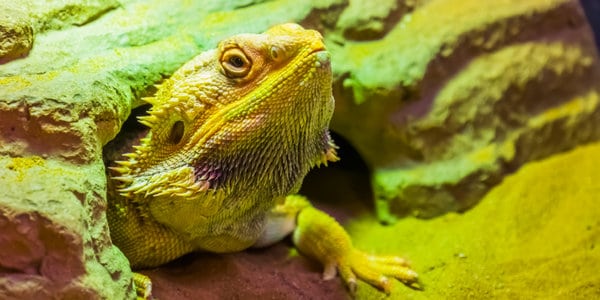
<point>253,112</point>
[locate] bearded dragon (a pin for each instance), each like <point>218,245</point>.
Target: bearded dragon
<point>231,136</point>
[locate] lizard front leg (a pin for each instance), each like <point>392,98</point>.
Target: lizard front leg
<point>145,242</point>
<point>321,237</point>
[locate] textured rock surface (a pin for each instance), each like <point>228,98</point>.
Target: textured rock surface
<point>16,34</point>
<point>439,109</point>
<point>443,107</point>
<point>54,236</point>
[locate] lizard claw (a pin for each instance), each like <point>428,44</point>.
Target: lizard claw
<point>143,286</point>
<point>375,270</point>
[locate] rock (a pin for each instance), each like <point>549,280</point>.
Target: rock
<point>441,109</point>
<point>370,20</point>
<point>20,20</point>
<point>441,100</point>
<point>16,34</point>
<point>54,237</point>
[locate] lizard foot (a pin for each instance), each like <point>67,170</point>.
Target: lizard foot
<point>373,269</point>
<point>143,286</point>
<point>320,236</point>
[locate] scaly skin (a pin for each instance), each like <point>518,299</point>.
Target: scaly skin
<point>231,136</point>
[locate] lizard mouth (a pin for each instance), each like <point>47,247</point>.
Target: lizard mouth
<point>317,49</point>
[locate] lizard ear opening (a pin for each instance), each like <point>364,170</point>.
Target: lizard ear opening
<point>176,133</point>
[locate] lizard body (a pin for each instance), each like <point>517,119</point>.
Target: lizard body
<point>231,136</point>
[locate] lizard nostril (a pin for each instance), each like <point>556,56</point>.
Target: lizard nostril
<point>176,132</point>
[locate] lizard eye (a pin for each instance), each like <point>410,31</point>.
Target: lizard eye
<point>176,133</point>
<point>235,63</point>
